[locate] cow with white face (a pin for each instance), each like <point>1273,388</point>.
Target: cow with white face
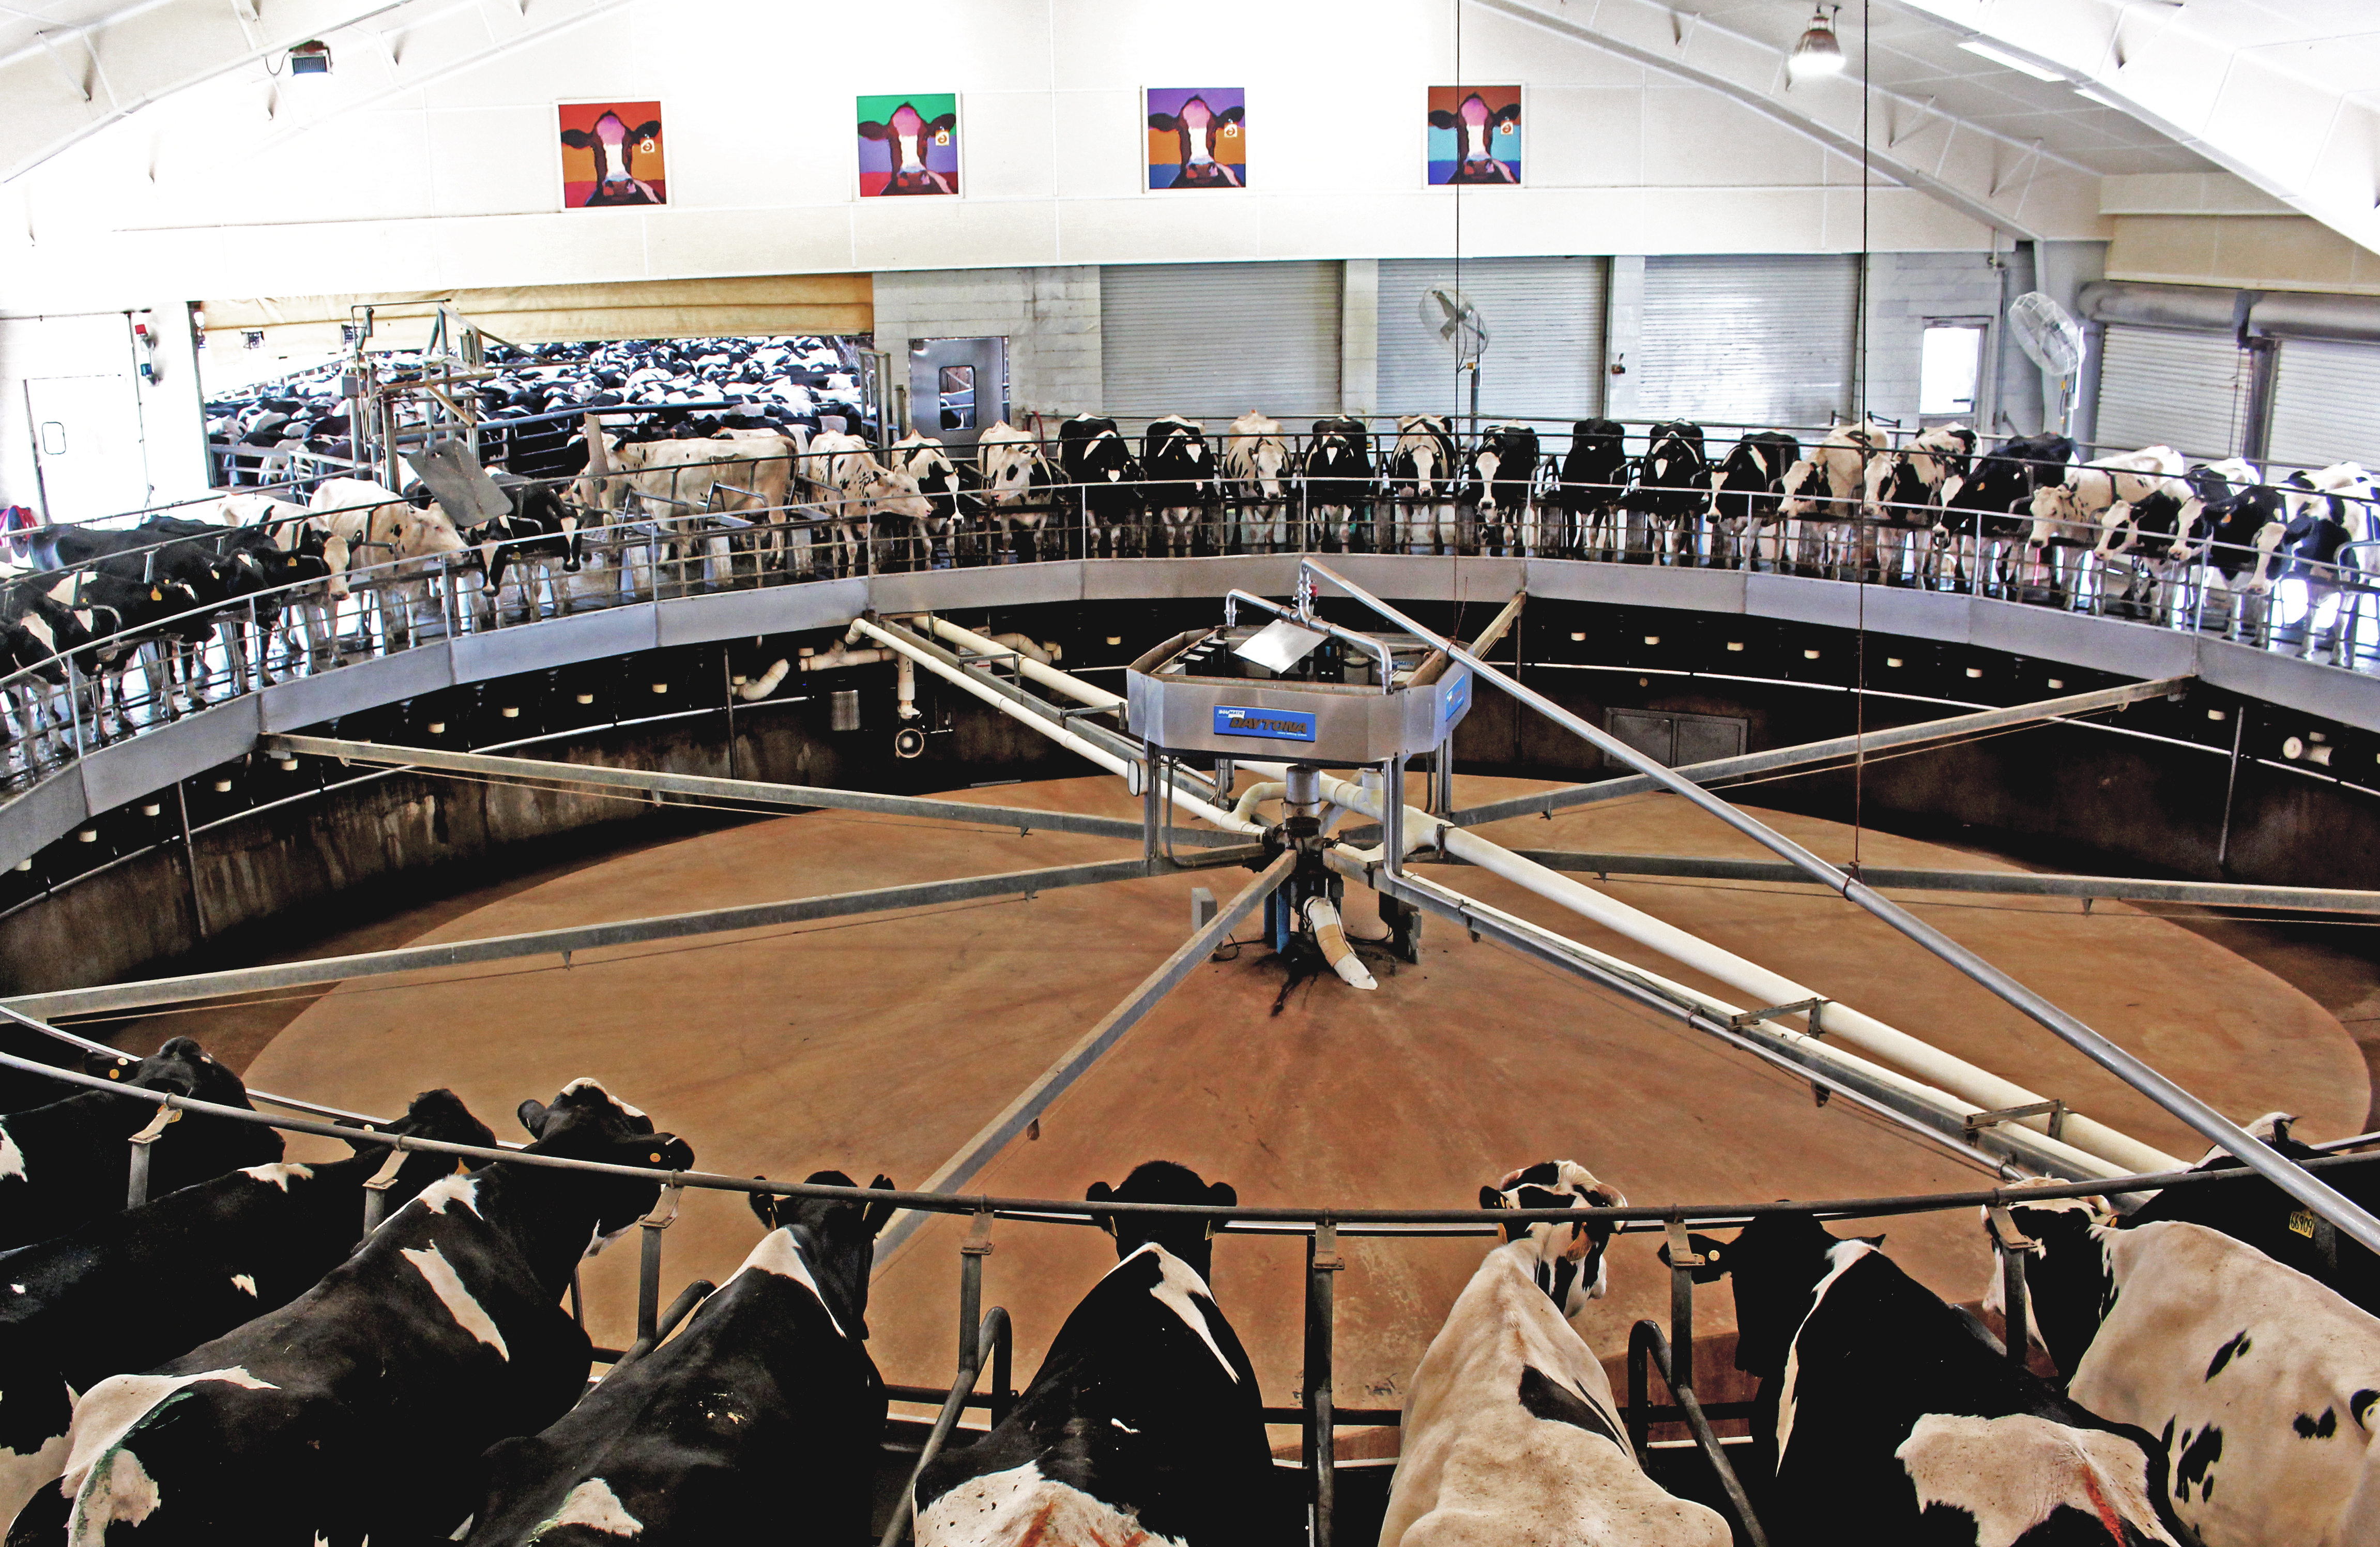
<point>1476,123</point>
<point>859,492</point>
<point>1510,1433</point>
<point>1255,463</point>
<point>614,144</point>
<point>2261,1383</point>
<point>1904,497</point>
<point>1424,478</point>
<point>377,541</point>
<point>2330,516</point>
<point>923,459</point>
<point>2067,517</point>
<point>1016,486</point>
<point>1144,1424</point>
<point>1504,483</point>
<point>904,133</point>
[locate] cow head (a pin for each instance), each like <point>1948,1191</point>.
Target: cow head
<point>436,1114</point>
<point>906,133</point>
<point>1201,128</point>
<point>1476,123</point>
<point>586,1122</point>
<point>2066,1273</point>
<point>614,144</point>
<point>1567,1257</point>
<point>1776,1265</point>
<point>837,1238</point>
<point>1189,1238</point>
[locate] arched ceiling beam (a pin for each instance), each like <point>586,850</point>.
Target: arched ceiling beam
<point>1993,189</point>
<point>2255,89</point>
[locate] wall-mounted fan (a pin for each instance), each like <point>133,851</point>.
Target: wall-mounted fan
<point>2052,339</point>
<point>1450,313</point>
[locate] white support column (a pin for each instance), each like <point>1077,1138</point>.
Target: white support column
<point>1623,328</point>
<point>1359,338</point>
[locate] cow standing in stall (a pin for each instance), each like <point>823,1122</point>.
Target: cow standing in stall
<point>1673,487</point>
<point>1510,1433</point>
<point>1905,490</point>
<point>1987,514</point>
<point>1424,479</point>
<point>768,1395</point>
<point>2327,511</point>
<point>1181,470</point>
<point>1017,487</point>
<point>861,492</point>
<point>1504,486</point>
<point>441,1334</point>
<point>1255,462</point>
<point>1824,497</point>
<point>2261,1383</point>
<point>1747,489</point>
<point>1338,479</point>
<point>2153,538</point>
<point>2067,516</point>
<point>1594,481</point>
<point>1144,1423</point>
<point>1886,1416</point>
<point>1104,480</point>
<point>923,459</point>
<point>370,530</point>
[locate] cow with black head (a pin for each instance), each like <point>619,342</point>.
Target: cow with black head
<point>68,1163</point>
<point>1747,490</point>
<point>1337,474</point>
<point>768,1395</point>
<point>1987,513</point>
<point>1884,1415</point>
<point>1503,488</point>
<point>1145,1423</point>
<point>357,1409</point>
<point>1510,1433</point>
<point>1673,487</point>
<point>1594,478</point>
<point>1103,482</point>
<point>1182,480</point>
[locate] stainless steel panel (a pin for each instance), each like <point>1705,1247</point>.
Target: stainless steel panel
<point>2126,649</point>
<point>41,816</point>
<point>555,642</point>
<point>310,701</point>
<point>1322,722</point>
<point>775,609</point>
<point>2349,698</point>
<point>129,770</point>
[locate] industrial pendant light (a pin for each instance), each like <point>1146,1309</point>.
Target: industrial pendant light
<point>1817,53</point>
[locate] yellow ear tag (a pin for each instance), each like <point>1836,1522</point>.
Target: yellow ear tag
<point>645,147</point>
<point>155,594</point>
<point>2302,1224</point>
<point>942,136</point>
<point>116,1074</point>
<point>656,1157</point>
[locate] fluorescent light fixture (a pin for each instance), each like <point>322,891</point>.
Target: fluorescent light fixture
<point>1985,50</point>
<point>2089,96</point>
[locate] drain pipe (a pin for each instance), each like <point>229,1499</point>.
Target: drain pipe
<point>1028,663</point>
<point>1988,1091</point>
<point>1331,936</point>
<point>905,688</point>
<point>1131,773</point>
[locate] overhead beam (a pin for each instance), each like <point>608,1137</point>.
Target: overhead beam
<point>1721,770</point>
<point>1076,1061</point>
<point>749,791</point>
<point>2013,884</point>
<point>565,942</point>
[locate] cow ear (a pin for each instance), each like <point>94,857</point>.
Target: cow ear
<point>1164,121</point>
<point>1224,1196</point>
<point>577,140</point>
<point>946,121</point>
<point>764,1207</point>
<point>651,126</point>
<point>1875,1241</point>
<point>531,1114</point>
<point>1490,1199</point>
<point>877,1214</point>
<point>1441,118</point>
<point>874,131</point>
<point>1232,115</point>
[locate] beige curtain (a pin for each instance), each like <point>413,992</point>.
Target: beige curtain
<point>830,303</point>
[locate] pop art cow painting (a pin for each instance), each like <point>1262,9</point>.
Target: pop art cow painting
<point>612,154</point>
<point>909,145</point>
<point>1197,136</point>
<point>1475,135</point>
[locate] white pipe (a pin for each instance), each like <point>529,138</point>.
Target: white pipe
<point>1033,670</point>
<point>1988,1091</point>
<point>973,683</point>
<point>1256,795</point>
<point>906,687</point>
<point>1331,936</point>
<point>1825,1054</point>
<point>841,655</point>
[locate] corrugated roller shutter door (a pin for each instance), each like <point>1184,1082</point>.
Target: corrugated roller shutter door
<point>1215,340</point>
<point>2185,390</point>
<point>2327,404</point>
<point>1545,337</point>
<point>1748,341</point>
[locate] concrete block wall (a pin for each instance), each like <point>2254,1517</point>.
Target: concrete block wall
<point>1050,316</point>
<point>1906,289</point>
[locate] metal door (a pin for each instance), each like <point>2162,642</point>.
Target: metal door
<point>1677,740</point>
<point>2185,390</point>
<point>1737,341</point>
<point>958,387</point>
<point>87,445</point>
<point>1215,340</point>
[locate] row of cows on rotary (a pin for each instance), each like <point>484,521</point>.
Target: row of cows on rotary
<point>231,1362</point>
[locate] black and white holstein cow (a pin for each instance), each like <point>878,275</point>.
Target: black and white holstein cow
<point>70,1162</point>
<point>1594,479</point>
<point>614,144</point>
<point>2329,510</point>
<point>1423,484</point>
<point>1338,479</point>
<point>1825,495</point>
<point>1503,487</point>
<point>1255,465</point>
<point>1747,490</point>
<point>766,1406</point>
<point>2154,537</point>
<point>1103,480</point>
<point>1016,486</point>
<point>1144,1425</point>
<point>1181,467</point>
<point>2259,1383</point>
<point>1988,512</point>
<point>1884,1415</point>
<point>530,543</point>
<point>923,458</point>
<point>1673,487</point>
<point>1904,497</point>
<point>2067,517</point>
<point>357,1409</point>
<point>1511,1434</point>
<point>137,1288</point>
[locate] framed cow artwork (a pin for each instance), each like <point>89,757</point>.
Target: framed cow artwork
<point>909,144</point>
<point>612,154</point>
<point>1197,136</point>
<point>1475,135</point>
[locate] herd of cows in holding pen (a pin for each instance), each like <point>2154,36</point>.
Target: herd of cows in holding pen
<point>248,1357</point>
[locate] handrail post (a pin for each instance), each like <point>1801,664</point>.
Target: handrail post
<point>376,1192</point>
<point>2011,1243</point>
<point>1640,1391</point>
<point>137,1188</point>
<point>1322,1259</point>
<point>972,1251</point>
<point>648,1263</point>
<point>1683,1260</point>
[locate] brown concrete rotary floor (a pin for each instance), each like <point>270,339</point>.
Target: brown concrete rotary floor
<point>883,1043</point>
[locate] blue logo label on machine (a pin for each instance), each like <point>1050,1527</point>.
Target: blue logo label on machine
<point>1269,725</point>
<point>1455,697</point>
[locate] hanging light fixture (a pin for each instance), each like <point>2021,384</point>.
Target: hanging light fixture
<point>1818,53</point>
